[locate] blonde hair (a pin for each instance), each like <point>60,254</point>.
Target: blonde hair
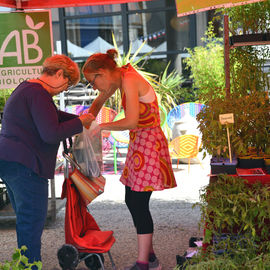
<point>60,61</point>
<point>101,60</point>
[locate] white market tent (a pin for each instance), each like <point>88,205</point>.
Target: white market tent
<point>73,50</point>
<point>160,48</point>
<point>98,45</point>
<point>135,45</point>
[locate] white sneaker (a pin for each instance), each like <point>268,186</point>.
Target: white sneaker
<point>155,265</point>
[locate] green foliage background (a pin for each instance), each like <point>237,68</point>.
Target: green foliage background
<point>231,206</point>
<point>207,67</point>
<point>4,95</point>
<point>249,101</point>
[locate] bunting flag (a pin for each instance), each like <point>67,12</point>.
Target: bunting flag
<point>155,35</point>
<point>188,7</point>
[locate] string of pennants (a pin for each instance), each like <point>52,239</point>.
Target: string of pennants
<point>155,35</point>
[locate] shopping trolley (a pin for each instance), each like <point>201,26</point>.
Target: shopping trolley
<point>84,239</point>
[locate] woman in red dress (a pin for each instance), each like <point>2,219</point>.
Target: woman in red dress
<point>148,165</point>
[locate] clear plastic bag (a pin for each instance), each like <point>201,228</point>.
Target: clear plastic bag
<point>86,152</point>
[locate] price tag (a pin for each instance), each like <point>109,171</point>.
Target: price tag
<point>226,118</point>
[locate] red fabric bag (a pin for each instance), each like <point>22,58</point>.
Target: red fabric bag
<point>81,229</point>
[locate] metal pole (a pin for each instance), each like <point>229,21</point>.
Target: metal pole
<point>53,200</point>
<point>63,37</point>
<point>18,4</point>
<point>227,55</point>
<point>124,15</point>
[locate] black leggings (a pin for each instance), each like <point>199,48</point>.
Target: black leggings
<point>138,205</point>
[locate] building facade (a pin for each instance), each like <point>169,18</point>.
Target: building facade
<point>81,31</point>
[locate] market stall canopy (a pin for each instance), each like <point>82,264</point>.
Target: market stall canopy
<point>187,7</point>
<point>32,4</point>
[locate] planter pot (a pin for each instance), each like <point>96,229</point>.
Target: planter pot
<point>249,163</point>
<point>267,165</point>
<point>223,166</point>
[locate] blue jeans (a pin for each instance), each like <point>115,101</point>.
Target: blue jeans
<point>28,194</point>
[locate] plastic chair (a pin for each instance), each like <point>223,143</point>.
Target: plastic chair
<point>163,121</point>
<point>163,116</point>
<point>106,115</point>
<point>179,111</point>
<point>76,109</point>
<point>119,139</point>
<point>185,146</point>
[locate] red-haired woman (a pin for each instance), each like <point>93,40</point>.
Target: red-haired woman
<point>148,165</point>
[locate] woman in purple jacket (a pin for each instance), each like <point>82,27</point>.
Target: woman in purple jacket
<point>32,128</point>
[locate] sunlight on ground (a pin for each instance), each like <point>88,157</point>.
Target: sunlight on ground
<point>188,183</point>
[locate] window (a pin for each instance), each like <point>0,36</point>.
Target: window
<point>85,30</point>
<point>92,10</point>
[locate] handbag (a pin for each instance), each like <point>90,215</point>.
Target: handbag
<point>88,187</point>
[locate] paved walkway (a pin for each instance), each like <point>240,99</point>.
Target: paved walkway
<point>174,218</point>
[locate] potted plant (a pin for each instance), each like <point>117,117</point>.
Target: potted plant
<point>235,215</point>
<point>248,133</point>
<point>248,100</point>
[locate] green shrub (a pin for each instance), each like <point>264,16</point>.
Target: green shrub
<point>207,66</point>
<point>4,95</point>
<point>231,204</point>
<point>19,261</point>
<point>244,261</point>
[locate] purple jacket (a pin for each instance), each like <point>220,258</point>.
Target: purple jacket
<point>32,128</point>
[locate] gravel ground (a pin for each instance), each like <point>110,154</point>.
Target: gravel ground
<point>174,218</point>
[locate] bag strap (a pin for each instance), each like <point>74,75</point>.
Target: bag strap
<point>65,145</point>
<point>67,151</point>
<point>71,161</point>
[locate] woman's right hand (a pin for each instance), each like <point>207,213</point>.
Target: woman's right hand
<point>87,119</point>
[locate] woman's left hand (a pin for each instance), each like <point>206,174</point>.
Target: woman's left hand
<point>87,119</point>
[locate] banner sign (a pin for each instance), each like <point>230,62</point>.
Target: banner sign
<point>187,7</point>
<point>30,4</point>
<point>25,42</point>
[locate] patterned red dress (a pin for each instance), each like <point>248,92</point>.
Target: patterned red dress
<point>148,165</point>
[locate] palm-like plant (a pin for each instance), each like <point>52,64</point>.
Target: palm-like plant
<point>134,61</point>
<point>167,88</point>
